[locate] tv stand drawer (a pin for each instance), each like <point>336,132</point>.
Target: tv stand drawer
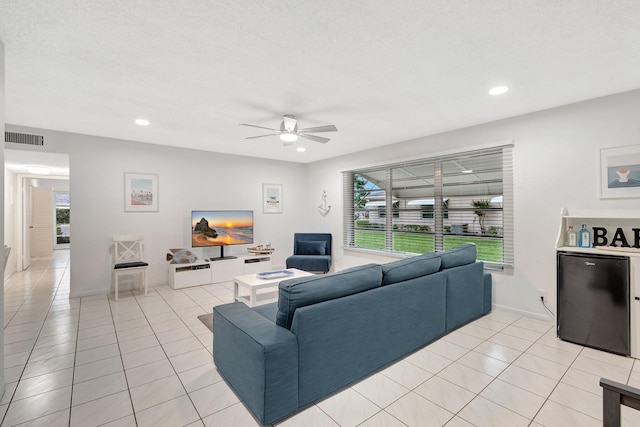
<point>184,275</point>
<point>257,264</point>
<point>218,271</point>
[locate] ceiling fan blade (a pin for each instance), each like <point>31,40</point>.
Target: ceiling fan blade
<point>260,127</point>
<point>290,123</point>
<point>327,128</point>
<point>314,138</point>
<point>261,136</point>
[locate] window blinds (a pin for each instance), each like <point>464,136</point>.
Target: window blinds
<point>434,204</point>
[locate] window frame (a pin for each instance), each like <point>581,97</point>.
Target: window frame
<point>439,230</point>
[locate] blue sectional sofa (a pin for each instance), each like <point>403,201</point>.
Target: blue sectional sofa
<point>326,332</point>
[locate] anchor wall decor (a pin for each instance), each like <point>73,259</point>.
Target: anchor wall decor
<point>323,208</point>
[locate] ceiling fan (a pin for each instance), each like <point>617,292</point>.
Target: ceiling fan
<point>289,131</point>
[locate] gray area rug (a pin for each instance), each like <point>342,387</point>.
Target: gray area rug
<point>207,319</point>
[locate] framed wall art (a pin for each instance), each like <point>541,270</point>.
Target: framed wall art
<point>272,198</point>
<point>620,172</point>
<point>140,192</point>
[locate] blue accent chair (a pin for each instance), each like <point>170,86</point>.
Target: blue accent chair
<point>311,252</point>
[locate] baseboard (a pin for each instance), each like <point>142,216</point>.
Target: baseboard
<point>525,313</point>
<point>108,292</point>
<point>88,293</point>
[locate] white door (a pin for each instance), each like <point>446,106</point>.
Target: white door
<point>26,224</point>
<point>41,222</point>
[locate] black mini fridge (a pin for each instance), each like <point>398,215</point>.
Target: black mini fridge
<point>593,301</point>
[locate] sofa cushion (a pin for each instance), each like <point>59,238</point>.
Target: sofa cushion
<point>321,263</point>
<point>410,268</point>
<point>303,291</point>
<point>311,248</point>
<point>268,311</point>
<point>460,255</point>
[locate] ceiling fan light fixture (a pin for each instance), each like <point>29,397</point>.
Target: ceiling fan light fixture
<point>290,133</point>
<point>288,137</point>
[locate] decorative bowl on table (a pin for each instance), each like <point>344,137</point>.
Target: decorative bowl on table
<point>274,274</point>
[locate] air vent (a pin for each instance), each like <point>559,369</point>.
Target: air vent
<point>23,138</point>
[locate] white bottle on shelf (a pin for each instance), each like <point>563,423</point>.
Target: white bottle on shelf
<point>572,237</point>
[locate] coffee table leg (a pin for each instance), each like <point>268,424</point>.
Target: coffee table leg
<point>235,291</point>
<point>253,297</point>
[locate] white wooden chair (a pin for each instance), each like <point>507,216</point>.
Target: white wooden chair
<point>127,259</point>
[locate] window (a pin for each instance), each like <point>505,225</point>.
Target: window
<point>62,212</point>
<point>428,210</point>
<point>382,211</point>
<point>434,204</point>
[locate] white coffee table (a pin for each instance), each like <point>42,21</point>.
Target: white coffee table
<point>260,291</point>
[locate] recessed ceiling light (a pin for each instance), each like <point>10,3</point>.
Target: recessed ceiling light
<point>467,171</point>
<point>288,137</point>
<point>498,90</point>
<point>142,122</point>
<point>301,149</point>
<point>39,170</point>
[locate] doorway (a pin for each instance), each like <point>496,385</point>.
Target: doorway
<point>25,215</point>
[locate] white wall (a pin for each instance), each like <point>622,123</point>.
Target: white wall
<point>54,184</point>
<point>2,118</point>
<point>10,220</point>
<point>188,179</point>
<point>556,163</point>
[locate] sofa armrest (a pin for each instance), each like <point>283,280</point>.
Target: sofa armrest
<point>258,358</point>
<point>488,291</point>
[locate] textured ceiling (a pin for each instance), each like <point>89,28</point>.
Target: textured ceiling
<point>381,71</point>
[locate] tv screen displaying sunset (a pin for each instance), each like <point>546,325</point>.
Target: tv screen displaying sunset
<point>215,228</point>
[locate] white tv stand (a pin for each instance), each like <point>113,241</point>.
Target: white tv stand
<point>219,270</point>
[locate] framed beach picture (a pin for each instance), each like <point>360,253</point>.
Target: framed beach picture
<point>140,192</point>
<point>620,172</point>
<point>272,198</point>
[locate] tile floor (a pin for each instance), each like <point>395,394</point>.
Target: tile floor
<point>146,361</point>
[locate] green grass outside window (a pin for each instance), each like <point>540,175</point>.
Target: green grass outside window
<point>489,249</point>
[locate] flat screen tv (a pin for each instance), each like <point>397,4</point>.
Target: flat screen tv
<point>221,228</point>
